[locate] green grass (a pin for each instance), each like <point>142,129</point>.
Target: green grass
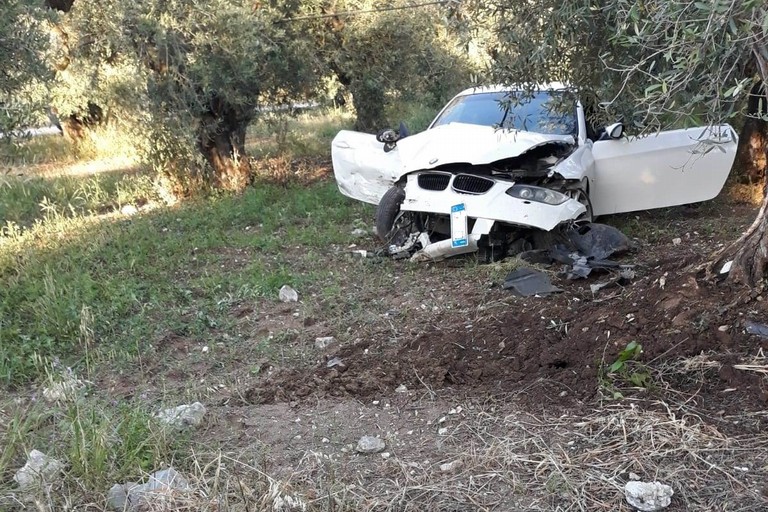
<point>168,270</point>
<point>24,201</point>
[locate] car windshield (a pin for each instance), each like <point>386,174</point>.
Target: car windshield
<point>541,112</point>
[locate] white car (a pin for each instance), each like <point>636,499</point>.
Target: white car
<point>497,162</point>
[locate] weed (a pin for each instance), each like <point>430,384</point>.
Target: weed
<point>626,369</point>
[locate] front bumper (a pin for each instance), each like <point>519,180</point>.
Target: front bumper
<point>483,198</point>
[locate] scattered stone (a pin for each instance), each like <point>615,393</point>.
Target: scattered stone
<point>370,444</point>
<point>450,467</point>
<point>648,497</point>
<point>677,241</point>
<point>634,476</point>
<point>359,232</point>
<point>39,472</point>
<point>323,342</point>
<point>159,492</point>
<point>360,253</point>
<point>385,455</point>
<point>442,432</point>
<point>723,328</point>
<point>183,416</point>
<point>335,361</point>
<point>288,294</point>
<point>129,209</point>
<point>401,389</point>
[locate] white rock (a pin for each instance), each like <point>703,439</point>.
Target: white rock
<point>401,389</point>
<point>451,466</point>
<point>648,496</point>
<point>676,241</point>
<point>288,294</point>
<point>183,416</point>
<point>370,444</point>
<point>129,209</point>
<point>39,472</point>
<point>323,342</point>
<point>359,232</point>
<point>157,493</point>
<point>442,431</point>
<point>385,455</point>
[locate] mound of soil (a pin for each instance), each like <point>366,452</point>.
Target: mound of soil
<point>552,348</point>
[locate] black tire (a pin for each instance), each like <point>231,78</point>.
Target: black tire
<point>388,211</point>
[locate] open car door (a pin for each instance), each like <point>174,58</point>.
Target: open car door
<point>659,170</point>
<point>363,170</point>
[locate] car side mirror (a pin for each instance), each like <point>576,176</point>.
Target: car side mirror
<point>389,137</point>
<point>614,131</point>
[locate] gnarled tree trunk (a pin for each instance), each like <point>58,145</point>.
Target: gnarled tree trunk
<point>750,252</point>
<point>751,160</point>
<point>222,142</point>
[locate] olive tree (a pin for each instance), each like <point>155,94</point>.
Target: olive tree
<point>183,78</point>
<point>383,52</point>
<point>23,48</point>
<point>656,64</point>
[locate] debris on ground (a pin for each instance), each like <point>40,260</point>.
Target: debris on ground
<point>402,388</point>
<point>527,282</point>
<point>623,278</point>
<point>288,294</point>
<point>583,249</point>
<point>39,472</point>
<point>160,492</point>
<point>370,444</point>
<point>324,342</point>
<point>183,416</point>
<point>756,328</point>
<point>335,361</point>
<point>359,232</point>
<point>648,496</point>
<point>450,467</point>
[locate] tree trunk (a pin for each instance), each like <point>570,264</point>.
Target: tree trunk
<point>59,5</point>
<point>751,158</point>
<point>750,251</point>
<point>222,142</point>
<point>368,99</point>
<point>75,127</point>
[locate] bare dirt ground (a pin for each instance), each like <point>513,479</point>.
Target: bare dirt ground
<point>504,403</point>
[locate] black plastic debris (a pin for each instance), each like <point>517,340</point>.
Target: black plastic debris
<point>756,328</point>
<point>583,249</point>
<point>526,282</point>
<point>597,241</point>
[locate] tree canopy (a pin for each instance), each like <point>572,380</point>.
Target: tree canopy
<point>23,68</point>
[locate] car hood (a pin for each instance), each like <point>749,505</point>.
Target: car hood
<point>467,143</point>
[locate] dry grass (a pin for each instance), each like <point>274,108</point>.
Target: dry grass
<point>502,461</point>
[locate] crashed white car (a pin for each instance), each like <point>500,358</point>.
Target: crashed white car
<point>497,162</point>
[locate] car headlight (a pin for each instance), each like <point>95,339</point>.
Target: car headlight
<point>538,194</point>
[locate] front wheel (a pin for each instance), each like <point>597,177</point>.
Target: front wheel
<point>581,195</point>
<point>396,227</point>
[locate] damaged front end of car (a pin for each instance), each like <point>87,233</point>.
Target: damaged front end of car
<point>458,208</point>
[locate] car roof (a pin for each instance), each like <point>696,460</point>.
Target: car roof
<point>480,89</point>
